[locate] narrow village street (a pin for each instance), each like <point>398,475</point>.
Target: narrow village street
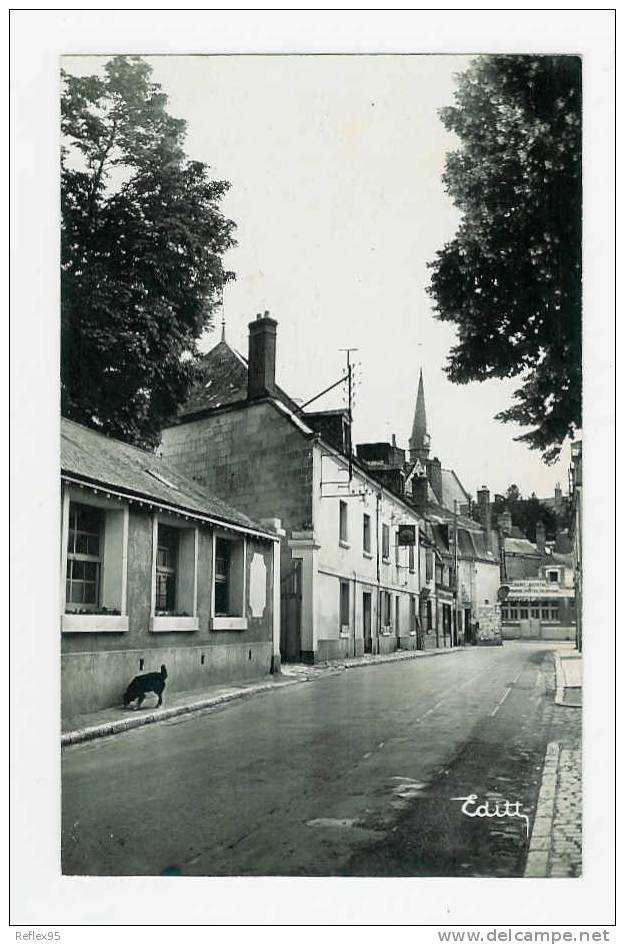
<point>351,774</point>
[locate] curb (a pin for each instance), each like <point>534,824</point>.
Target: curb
<point>560,685</point>
<point>126,725</point>
<point>537,862</point>
<point>408,655</point>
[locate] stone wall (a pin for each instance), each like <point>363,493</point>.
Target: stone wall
<point>252,457</point>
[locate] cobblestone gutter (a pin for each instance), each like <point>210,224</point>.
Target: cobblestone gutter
<point>556,843</point>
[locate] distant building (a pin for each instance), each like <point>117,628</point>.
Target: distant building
<point>460,580</point>
<point>538,584</point>
<point>156,570</point>
<point>350,584</point>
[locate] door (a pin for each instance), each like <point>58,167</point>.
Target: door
<point>366,620</point>
<point>291,614</point>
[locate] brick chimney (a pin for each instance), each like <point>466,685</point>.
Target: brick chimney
<point>540,537</point>
<point>435,476</point>
<point>261,367</point>
<point>483,508</point>
<point>420,492</point>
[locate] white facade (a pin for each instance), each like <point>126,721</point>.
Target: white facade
<point>359,587</point>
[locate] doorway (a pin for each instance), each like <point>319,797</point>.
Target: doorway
<point>291,614</point>
<point>366,620</point>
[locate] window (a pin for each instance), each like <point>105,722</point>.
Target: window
<point>94,563</point>
<point>174,575</point>
<point>344,606</point>
<point>505,612</point>
<point>535,612</point>
<point>222,576</point>
<point>514,611</point>
<point>366,534</point>
<point>385,604</point>
<point>554,611</point>
<point>553,576</point>
<point>544,611</point>
<point>429,566</point>
<point>397,607</point>
<point>385,542</point>
<point>523,612</point>
<point>229,579</point>
<point>166,569</point>
<point>343,533</point>
<point>411,558</point>
<point>84,545</point>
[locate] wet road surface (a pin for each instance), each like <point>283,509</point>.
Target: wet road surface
<point>351,774</point>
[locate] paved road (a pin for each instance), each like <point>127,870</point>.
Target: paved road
<point>351,774</point>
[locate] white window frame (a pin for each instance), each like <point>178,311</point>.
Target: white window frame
<point>344,628</point>
<point>167,624</point>
<point>95,623</point>
<point>235,622</point>
<point>343,523</point>
<point>366,519</point>
<point>386,541</point>
<point>385,598</point>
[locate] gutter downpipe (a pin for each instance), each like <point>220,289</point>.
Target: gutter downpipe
<point>378,622</point>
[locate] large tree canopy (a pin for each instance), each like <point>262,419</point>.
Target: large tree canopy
<point>510,280</point>
<point>141,247</point>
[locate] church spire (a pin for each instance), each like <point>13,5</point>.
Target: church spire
<point>419,443</point>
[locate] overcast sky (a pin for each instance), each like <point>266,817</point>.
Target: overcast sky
<point>335,164</point>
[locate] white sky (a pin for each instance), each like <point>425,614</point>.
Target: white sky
<point>335,164</point>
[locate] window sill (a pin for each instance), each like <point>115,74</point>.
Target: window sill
<point>228,623</point>
<point>367,554</point>
<point>344,633</point>
<point>167,624</point>
<point>93,623</point>
<point>344,544</point>
<point>386,633</point>
<point>385,560</point>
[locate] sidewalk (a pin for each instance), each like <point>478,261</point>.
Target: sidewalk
<point>556,844</point>
<point>568,664</point>
<point>555,848</point>
<point>85,727</point>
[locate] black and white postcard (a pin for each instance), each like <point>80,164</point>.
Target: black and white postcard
<point>320,388</point>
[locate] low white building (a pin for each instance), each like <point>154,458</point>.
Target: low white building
<point>541,608</point>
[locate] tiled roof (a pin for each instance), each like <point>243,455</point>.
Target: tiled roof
<point>99,459</point>
<point>452,489</point>
<point>438,513</point>
<point>221,380</point>
<point>520,546</point>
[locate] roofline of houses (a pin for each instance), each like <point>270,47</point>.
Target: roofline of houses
<point>142,498</point>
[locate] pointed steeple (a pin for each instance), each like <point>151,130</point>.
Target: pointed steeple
<point>419,443</point>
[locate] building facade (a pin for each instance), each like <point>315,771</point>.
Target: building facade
<point>155,570</point>
<point>350,585</point>
<point>459,589</point>
<point>541,606</point>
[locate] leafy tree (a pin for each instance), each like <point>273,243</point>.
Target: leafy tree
<point>141,246</point>
<point>526,513</point>
<point>513,493</point>
<point>510,280</point>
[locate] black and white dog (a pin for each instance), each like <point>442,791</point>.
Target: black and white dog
<point>141,685</point>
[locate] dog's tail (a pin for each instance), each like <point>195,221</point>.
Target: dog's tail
<point>164,671</point>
